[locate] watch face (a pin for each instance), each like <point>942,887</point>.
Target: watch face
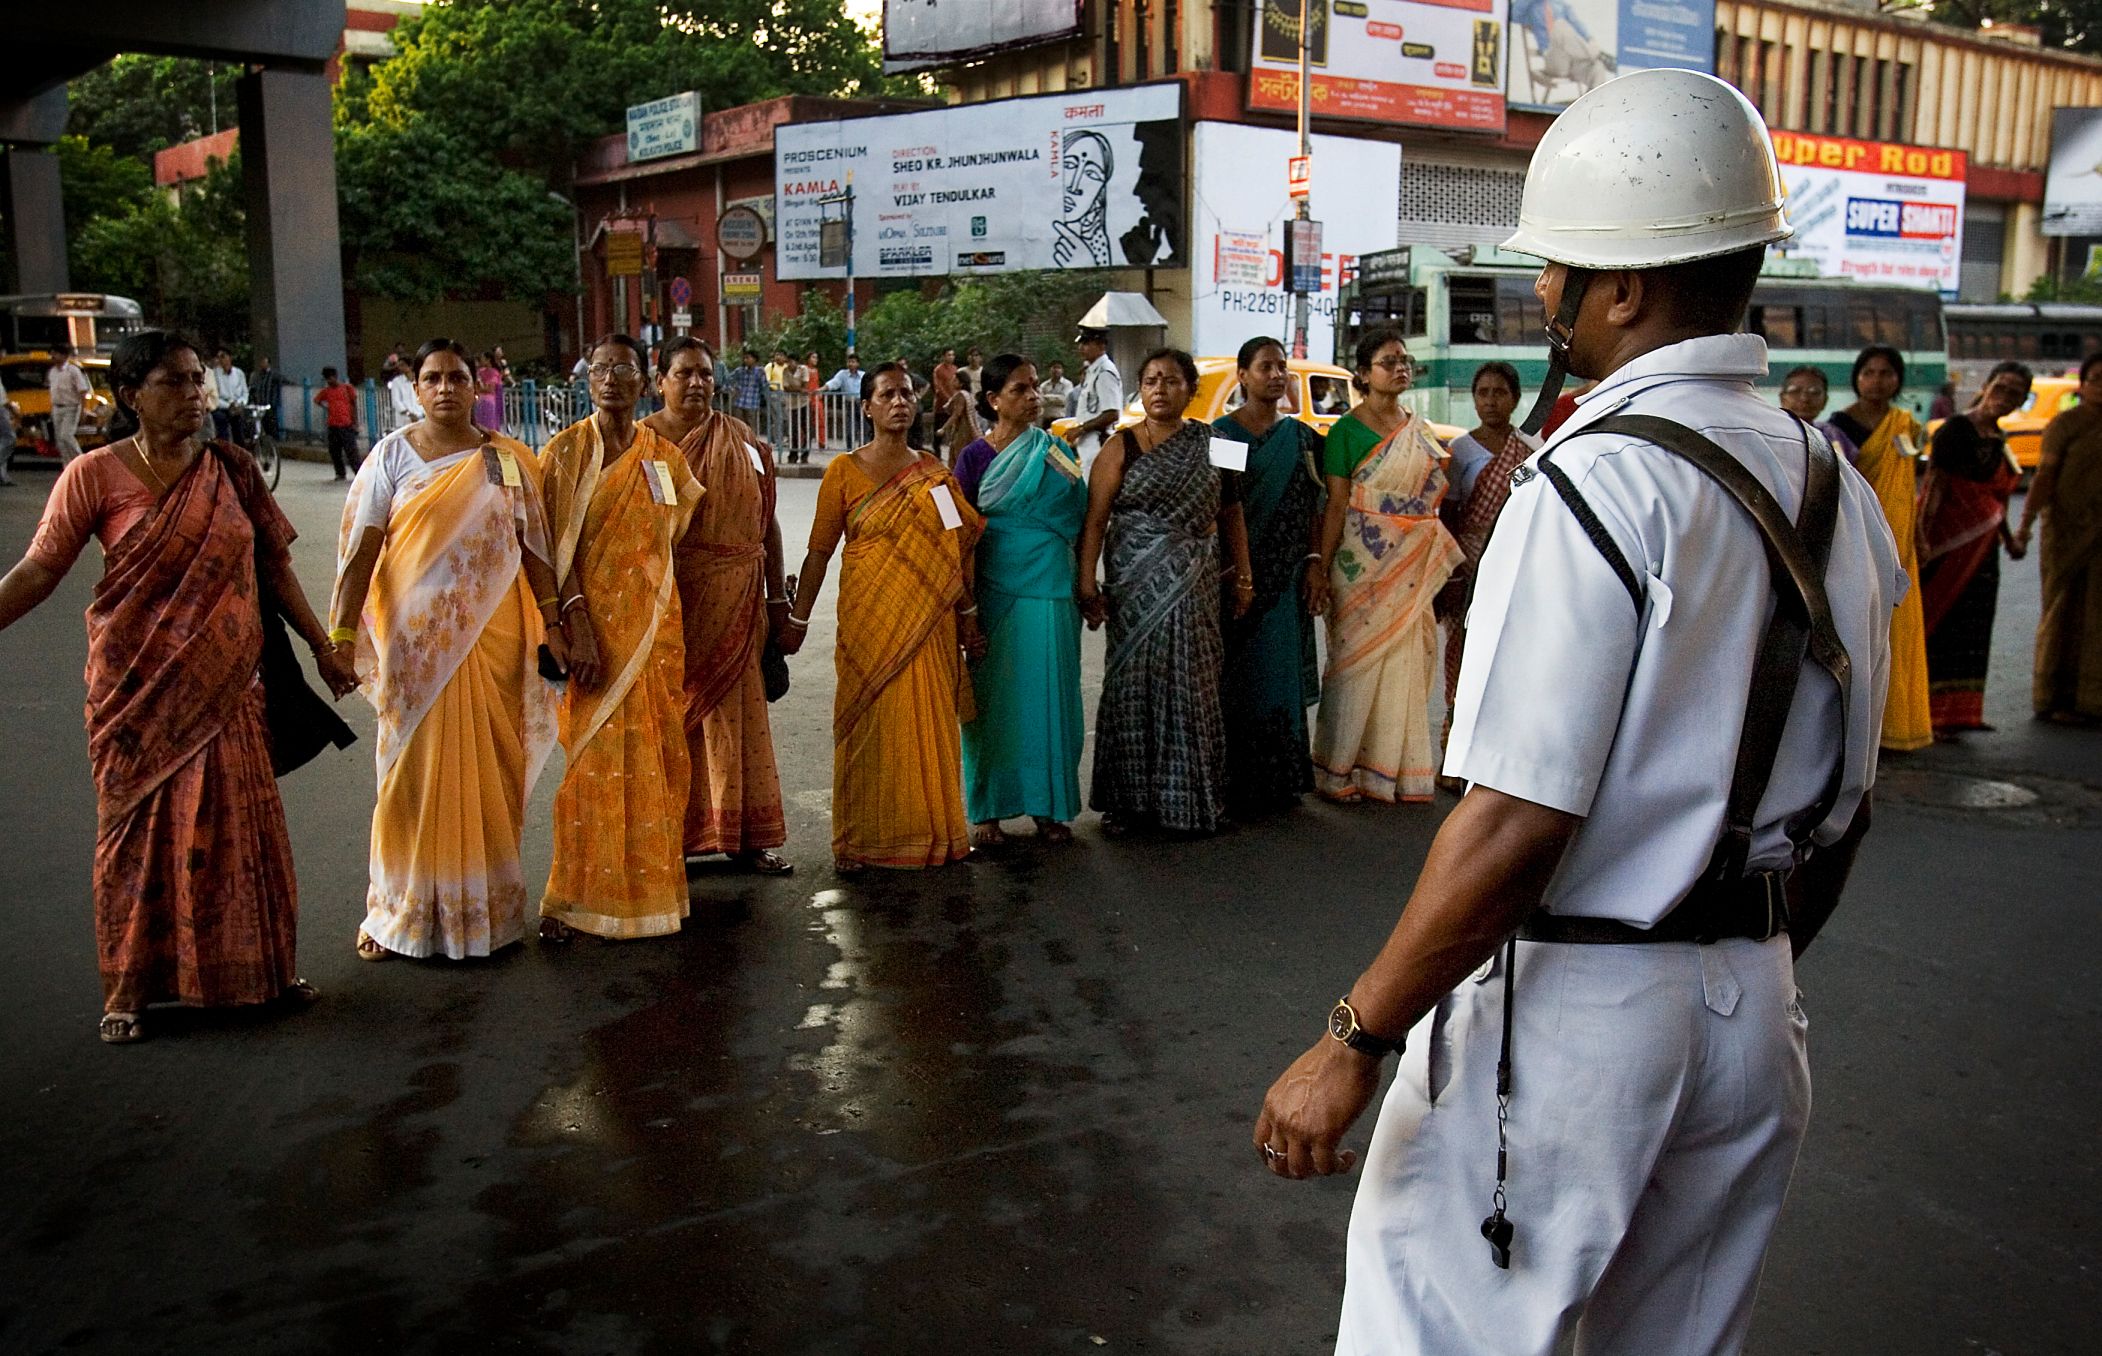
<point>1342,1022</point>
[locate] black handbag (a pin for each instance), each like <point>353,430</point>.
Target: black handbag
<point>299,722</point>
<point>773,670</point>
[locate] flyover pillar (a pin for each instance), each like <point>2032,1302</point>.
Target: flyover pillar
<point>36,221</point>
<point>295,252</point>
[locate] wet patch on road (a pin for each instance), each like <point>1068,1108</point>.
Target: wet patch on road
<point>2010,799</point>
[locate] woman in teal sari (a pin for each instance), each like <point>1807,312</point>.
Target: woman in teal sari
<point>1021,752</point>
<point>1271,674</point>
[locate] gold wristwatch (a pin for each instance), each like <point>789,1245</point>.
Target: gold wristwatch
<point>1343,1025</point>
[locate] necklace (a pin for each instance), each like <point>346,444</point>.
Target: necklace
<point>146,460</point>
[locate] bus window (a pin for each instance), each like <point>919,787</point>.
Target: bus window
<point>1472,301</point>
<point>1861,322</point>
<point>1519,314</point>
<point>1779,326</point>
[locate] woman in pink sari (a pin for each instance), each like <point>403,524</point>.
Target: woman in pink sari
<point>195,900</point>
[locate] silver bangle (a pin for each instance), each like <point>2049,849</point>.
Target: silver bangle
<point>771,601</point>
<point>575,601</point>
<point>970,611</point>
<point>799,623</point>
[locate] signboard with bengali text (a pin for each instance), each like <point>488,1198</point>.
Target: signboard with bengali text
<point>1426,63</point>
<point>664,127</point>
<point>1875,210</point>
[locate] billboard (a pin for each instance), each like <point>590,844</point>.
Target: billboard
<point>1430,63</point>
<point>920,33</point>
<point>2073,186</point>
<point>1875,210</point>
<point>664,127</point>
<point>1240,208</point>
<point>1085,180</point>
<point>1562,48</point>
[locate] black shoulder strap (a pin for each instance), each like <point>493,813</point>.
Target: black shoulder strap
<point>1587,518</point>
<point>1797,554</point>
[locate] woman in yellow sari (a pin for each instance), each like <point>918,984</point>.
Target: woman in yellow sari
<point>1886,438</point>
<point>905,621</point>
<point>619,495</point>
<point>444,591</point>
<point>1387,556</point>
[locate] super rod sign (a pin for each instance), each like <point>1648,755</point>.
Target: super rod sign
<point>1875,210</point>
<point>1092,179</point>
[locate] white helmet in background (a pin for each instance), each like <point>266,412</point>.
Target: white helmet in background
<point>1652,168</point>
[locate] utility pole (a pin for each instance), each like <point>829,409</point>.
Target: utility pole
<point>1305,211</point>
<point>826,255</point>
<point>850,261</point>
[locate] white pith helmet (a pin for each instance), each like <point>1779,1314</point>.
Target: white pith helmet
<point>1652,168</point>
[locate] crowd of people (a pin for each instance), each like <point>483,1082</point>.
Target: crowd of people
<point>623,593</point>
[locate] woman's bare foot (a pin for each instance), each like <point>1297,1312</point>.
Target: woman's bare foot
<point>763,863</point>
<point>370,950</point>
<point>120,1028</point>
<point>848,866</point>
<point>988,835</point>
<point>1053,833</point>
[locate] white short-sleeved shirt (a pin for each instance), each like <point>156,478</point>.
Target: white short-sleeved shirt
<point>1101,388</point>
<point>1570,700</point>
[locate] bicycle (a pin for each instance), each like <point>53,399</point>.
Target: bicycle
<point>251,430</point>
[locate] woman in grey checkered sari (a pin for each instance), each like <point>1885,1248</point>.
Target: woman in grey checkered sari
<point>1160,507</point>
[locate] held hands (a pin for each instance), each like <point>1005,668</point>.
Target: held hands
<point>2018,542</point>
<point>975,644</point>
<point>1094,610</point>
<point>558,646</point>
<point>1315,589</point>
<point>337,665</point>
<point>581,641</point>
<point>1310,1106</point>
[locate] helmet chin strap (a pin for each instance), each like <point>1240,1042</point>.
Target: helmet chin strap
<point>1561,331</point>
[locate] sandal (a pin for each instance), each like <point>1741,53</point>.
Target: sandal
<point>299,994</point>
<point>764,863</point>
<point>557,931</point>
<point>848,866</point>
<point>988,835</point>
<point>120,1028</point>
<point>1053,833</point>
<point>369,950</point>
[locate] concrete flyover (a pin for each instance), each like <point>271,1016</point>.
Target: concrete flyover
<point>287,148</point>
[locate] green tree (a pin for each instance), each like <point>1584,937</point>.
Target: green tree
<point>186,263</point>
<point>448,152</point>
<point>98,180</point>
<point>2072,24</point>
<point>137,105</point>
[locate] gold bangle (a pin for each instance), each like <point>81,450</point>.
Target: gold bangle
<point>548,601</point>
<point>341,634</point>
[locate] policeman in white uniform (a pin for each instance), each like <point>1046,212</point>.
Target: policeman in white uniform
<point>1098,402</point>
<point>1599,1134</point>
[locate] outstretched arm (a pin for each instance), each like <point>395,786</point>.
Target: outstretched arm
<point>25,586</point>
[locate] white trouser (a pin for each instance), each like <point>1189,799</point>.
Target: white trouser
<point>65,421</point>
<point>1659,1094</point>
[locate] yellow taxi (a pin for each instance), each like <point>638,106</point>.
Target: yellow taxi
<point>22,377</point>
<point>1319,395</point>
<point>2049,397</point>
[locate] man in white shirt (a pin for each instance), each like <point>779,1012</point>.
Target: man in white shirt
<point>70,388</point>
<point>229,392</point>
<point>1056,388</point>
<point>1639,1047</point>
<point>403,405</point>
<point>1098,402</point>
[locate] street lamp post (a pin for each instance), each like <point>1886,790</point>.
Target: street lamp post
<point>1305,212</point>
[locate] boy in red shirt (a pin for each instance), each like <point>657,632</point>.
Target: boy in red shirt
<point>338,398</point>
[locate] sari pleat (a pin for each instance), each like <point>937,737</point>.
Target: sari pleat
<point>1271,674</point>
<point>619,870</point>
<point>897,783</point>
<point>1021,753</point>
<point>1960,569</point>
<point>1892,472</point>
<point>733,803</point>
<point>465,721</point>
<point>2068,679</point>
<point>195,897</point>
<point>1373,737</point>
<point>1160,730</point>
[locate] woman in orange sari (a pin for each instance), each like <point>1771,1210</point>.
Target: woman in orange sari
<point>905,621</point>
<point>618,496</point>
<point>731,598</point>
<point>1388,555</point>
<point>444,591</point>
<point>195,900</point>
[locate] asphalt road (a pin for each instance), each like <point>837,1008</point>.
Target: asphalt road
<point>998,1107</point>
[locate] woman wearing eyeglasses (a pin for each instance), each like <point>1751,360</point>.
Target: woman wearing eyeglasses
<point>445,590</point>
<point>1386,555</point>
<point>619,495</point>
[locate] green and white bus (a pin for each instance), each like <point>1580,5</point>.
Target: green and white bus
<point>1460,309</point>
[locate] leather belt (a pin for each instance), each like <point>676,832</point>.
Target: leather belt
<point>1754,906</point>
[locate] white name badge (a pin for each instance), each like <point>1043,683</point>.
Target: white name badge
<point>758,463</point>
<point>945,505</point>
<point>1905,445</point>
<point>658,474</point>
<point>1229,455</point>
